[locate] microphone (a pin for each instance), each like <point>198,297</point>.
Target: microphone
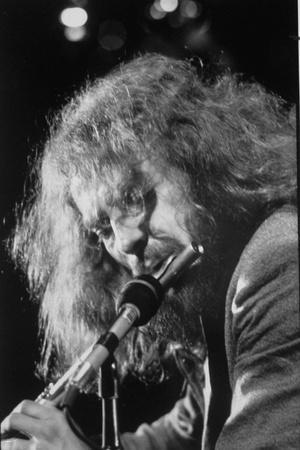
<point>139,302</point>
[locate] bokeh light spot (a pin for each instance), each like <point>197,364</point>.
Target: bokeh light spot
<point>168,5</point>
<point>156,13</point>
<point>190,9</point>
<point>73,17</point>
<point>75,34</point>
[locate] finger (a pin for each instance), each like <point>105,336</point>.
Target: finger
<point>33,409</point>
<point>26,424</point>
<point>15,444</point>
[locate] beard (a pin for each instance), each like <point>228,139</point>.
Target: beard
<point>149,352</point>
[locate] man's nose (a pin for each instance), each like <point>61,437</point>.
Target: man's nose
<point>129,238</point>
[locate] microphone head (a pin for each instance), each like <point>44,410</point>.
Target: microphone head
<point>146,294</point>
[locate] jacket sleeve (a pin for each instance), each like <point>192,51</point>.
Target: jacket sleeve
<point>181,429</point>
<point>263,344</point>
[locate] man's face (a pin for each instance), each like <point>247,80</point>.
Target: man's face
<point>143,218</point>
<point>139,216</point>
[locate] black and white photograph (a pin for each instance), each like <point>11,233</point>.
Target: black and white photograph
<point>149,273</point>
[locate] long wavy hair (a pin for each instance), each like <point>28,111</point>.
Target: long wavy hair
<point>233,143</point>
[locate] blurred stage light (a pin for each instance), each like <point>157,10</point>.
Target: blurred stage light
<point>168,5</point>
<point>112,35</point>
<point>73,17</point>
<point>75,34</point>
<point>190,9</point>
<point>156,12</point>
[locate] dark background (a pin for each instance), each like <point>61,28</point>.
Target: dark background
<point>39,70</point>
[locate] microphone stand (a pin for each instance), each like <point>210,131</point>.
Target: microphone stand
<point>108,392</point>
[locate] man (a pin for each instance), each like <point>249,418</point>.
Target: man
<point>137,166</point>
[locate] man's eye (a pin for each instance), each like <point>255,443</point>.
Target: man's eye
<point>103,223</point>
<point>133,201</point>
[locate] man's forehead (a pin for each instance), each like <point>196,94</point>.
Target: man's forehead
<point>110,183</point>
<point>97,194</point>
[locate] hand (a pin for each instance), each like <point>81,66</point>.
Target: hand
<point>45,425</point>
